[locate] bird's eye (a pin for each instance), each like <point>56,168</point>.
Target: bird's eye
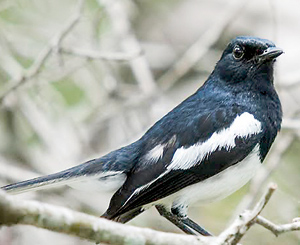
<point>238,52</point>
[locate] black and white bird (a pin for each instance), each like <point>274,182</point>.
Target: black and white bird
<point>203,150</point>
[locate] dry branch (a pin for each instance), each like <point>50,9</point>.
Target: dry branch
<point>96,55</point>
<point>278,229</point>
<point>14,211</point>
<point>242,224</point>
<point>44,55</point>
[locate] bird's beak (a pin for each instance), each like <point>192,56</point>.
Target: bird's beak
<point>270,54</point>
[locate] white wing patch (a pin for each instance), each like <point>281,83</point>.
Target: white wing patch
<point>155,154</point>
<point>184,158</point>
<point>242,126</point>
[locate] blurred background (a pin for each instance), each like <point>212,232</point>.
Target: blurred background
<point>81,78</point>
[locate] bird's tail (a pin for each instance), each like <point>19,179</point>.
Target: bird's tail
<point>107,173</point>
<point>75,174</point>
<point>38,183</point>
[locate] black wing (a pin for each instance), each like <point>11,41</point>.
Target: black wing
<point>149,182</point>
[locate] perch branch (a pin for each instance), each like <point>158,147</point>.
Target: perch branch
<point>14,211</point>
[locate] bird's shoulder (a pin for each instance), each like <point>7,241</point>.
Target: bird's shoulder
<point>194,120</point>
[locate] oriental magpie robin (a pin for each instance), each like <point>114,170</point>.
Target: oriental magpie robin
<point>203,150</point>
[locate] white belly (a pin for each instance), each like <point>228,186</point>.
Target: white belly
<point>219,186</point>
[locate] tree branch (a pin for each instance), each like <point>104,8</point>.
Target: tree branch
<point>14,211</point>
<point>96,55</point>
<point>234,233</point>
<point>278,229</point>
<point>44,55</point>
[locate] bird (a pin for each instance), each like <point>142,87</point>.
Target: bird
<point>203,150</point>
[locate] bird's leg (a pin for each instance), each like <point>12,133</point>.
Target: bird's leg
<point>174,219</point>
<point>182,221</point>
<point>190,223</point>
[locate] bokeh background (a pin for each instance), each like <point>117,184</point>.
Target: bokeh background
<point>81,78</point>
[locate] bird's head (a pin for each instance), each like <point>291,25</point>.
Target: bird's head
<point>247,59</point>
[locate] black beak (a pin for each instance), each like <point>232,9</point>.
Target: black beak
<point>270,54</point>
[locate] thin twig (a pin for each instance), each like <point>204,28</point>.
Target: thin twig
<point>234,233</point>
<point>44,55</point>
<point>278,229</point>
<point>96,55</point>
